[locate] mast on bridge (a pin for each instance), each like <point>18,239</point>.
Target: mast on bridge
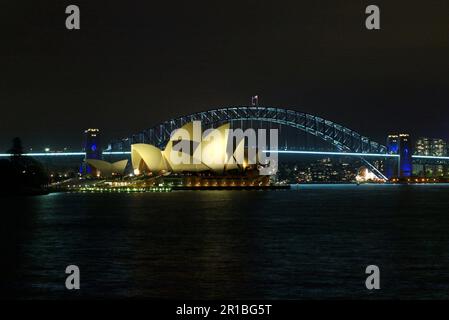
<point>255,100</point>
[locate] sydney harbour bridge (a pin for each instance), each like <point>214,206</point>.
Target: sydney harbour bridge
<point>339,138</point>
<point>343,138</point>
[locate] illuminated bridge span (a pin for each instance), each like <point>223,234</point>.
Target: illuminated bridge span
<point>343,138</point>
<point>316,153</point>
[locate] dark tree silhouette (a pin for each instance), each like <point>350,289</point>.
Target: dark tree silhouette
<point>22,175</point>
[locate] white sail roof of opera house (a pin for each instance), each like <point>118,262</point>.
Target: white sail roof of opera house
<point>147,156</point>
<point>211,156</point>
<point>186,132</point>
<point>107,169</point>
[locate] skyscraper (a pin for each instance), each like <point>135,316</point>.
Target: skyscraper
<point>430,147</point>
<point>405,153</point>
<point>391,165</point>
<point>422,147</point>
<point>92,147</point>
<point>439,147</point>
<point>399,144</point>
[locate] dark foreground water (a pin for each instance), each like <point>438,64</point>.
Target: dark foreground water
<point>308,243</point>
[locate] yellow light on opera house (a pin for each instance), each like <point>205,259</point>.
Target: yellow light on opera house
<point>208,154</point>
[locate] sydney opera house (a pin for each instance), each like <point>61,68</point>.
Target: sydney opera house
<point>207,162</point>
<point>191,159</point>
<point>204,153</point>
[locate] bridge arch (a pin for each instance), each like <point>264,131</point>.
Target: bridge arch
<point>337,135</point>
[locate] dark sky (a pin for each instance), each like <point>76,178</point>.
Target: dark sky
<point>136,63</point>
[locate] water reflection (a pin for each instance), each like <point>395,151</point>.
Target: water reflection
<point>309,242</point>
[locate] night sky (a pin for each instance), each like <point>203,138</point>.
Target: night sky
<point>134,64</point>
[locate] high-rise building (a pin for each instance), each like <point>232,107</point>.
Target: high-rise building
<point>391,165</point>
<point>430,147</point>
<point>439,147</point>
<point>422,147</point>
<point>392,144</point>
<point>405,153</point>
<point>92,147</point>
<point>399,144</point>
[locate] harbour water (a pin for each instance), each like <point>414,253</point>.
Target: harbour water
<point>310,242</point>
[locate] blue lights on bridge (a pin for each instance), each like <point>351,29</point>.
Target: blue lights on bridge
<point>47,154</point>
<point>431,157</point>
<point>356,154</point>
<point>326,153</point>
<point>116,152</point>
<point>65,154</point>
<point>323,153</point>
